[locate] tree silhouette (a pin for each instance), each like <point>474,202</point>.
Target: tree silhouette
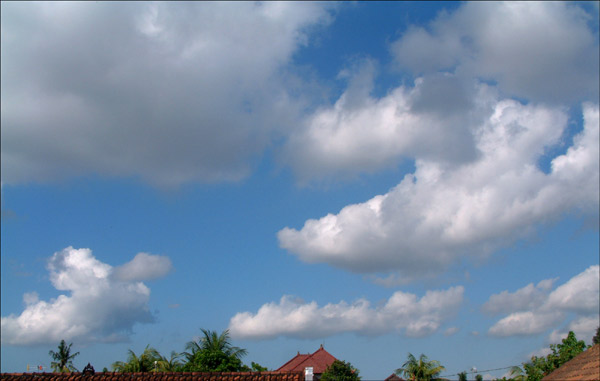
<point>63,359</point>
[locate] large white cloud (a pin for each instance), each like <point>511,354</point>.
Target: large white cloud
<point>99,305</point>
<point>403,312</point>
<point>445,211</point>
<point>540,51</point>
<point>360,133</point>
<point>167,92</point>
<point>478,183</point>
<point>579,296</point>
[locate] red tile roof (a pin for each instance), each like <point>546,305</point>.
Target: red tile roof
<point>176,376</point>
<point>584,366</point>
<point>394,377</point>
<point>319,360</point>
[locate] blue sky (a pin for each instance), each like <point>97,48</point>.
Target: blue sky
<point>380,178</point>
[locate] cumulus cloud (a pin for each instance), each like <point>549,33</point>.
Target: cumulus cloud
<point>443,212</point>
<point>579,296</point>
<point>538,51</point>
<point>526,298</point>
<point>99,305</point>
<point>144,267</point>
<point>170,93</point>
<point>360,133</point>
<point>403,312</point>
<point>478,182</point>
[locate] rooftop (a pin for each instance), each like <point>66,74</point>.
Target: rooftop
<point>583,367</point>
<point>319,361</point>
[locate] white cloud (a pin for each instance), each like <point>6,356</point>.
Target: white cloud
<point>170,93</point>
<point>359,133</point>
<point>540,51</point>
<point>584,329</point>
<point>98,306</point>
<point>579,296</point>
<point>526,323</point>
<point>526,298</point>
<point>444,212</point>
<point>403,312</point>
<point>144,267</point>
<point>451,331</point>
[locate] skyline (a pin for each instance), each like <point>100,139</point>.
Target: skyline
<point>380,178</point>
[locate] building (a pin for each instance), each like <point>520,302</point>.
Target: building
<point>150,376</point>
<point>318,361</point>
<point>394,377</point>
<point>583,367</point>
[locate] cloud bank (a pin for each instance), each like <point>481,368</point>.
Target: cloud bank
<point>444,212</point>
<point>481,179</point>
<point>530,315</point>
<point>403,312</point>
<point>543,52</point>
<point>169,93</point>
<point>100,305</point>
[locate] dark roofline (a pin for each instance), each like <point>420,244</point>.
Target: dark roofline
<point>158,376</point>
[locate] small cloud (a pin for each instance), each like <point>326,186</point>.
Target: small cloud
<point>144,267</point>
<point>30,298</point>
<point>451,331</point>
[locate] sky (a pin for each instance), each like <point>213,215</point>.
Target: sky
<point>376,177</point>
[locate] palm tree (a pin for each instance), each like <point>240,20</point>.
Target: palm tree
<point>213,352</point>
<point>63,359</point>
<point>220,343</point>
<point>214,343</point>
<point>144,363</point>
<point>421,369</point>
<point>170,365</point>
<point>517,374</point>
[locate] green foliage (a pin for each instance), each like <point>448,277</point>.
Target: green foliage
<point>63,359</point>
<point>596,339</point>
<point>462,376</point>
<point>258,368</point>
<point>172,364</point>
<point>479,377</point>
<point>143,363</point>
<point>214,353</point>
<point>422,369</point>
<point>340,370</point>
<point>517,374</point>
<point>539,367</point>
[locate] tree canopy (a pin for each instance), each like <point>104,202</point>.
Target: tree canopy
<point>214,353</point>
<point>340,371</point>
<point>143,363</point>
<point>63,359</point>
<point>538,367</point>
<point>422,369</point>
